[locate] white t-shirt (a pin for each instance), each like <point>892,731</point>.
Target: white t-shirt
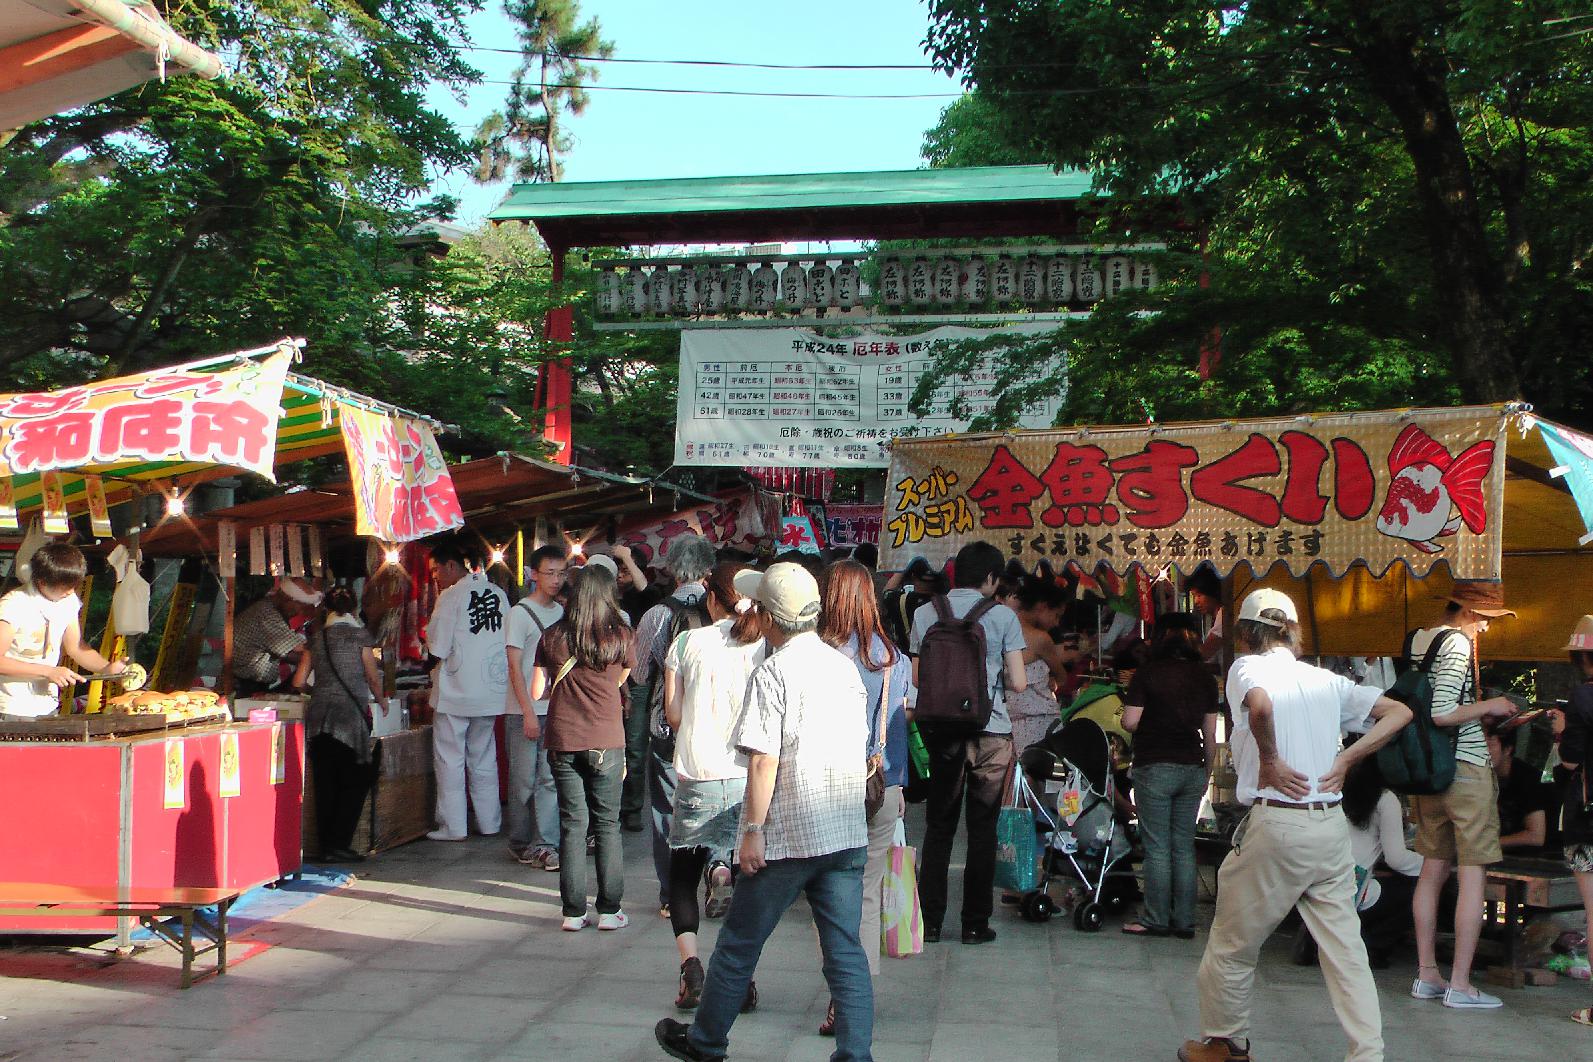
<point>713,671</point>
<point>466,633</point>
<point>525,635</point>
<point>1311,708</point>
<point>37,626</point>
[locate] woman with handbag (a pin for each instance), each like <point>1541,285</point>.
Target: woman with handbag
<point>851,623</point>
<point>1577,817</point>
<point>337,722</point>
<point>705,690</point>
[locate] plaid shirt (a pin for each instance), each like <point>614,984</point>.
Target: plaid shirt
<point>261,639</point>
<point>806,705</point>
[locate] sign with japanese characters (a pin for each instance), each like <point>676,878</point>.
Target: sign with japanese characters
<point>402,489</point>
<point>181,414</point>
<point>1381,488</point>
<point>790,397</point>
<point>853,525</point>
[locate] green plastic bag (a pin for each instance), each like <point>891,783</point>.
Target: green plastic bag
<point>1017,850</point>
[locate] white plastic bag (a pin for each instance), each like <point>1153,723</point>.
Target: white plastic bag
<point>130,602</point>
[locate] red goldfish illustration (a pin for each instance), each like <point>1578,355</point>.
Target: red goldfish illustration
<point>1432,493</point>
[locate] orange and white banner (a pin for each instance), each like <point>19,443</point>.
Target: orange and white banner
<point>181,414</point>
<point>402,489</point>
<point>1379,488</point>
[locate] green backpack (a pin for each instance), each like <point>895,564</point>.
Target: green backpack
<point>1420,761</point>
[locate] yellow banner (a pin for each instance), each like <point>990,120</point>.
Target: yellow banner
<point>1380,488</point>
<point>402,489</point>
<point>178,414</point>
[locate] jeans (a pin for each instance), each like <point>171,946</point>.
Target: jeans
<point>532,812</point>
<point>1167,796</point>
<point>834,887</point>
<point>636,740</point>
<point>589,782</point>
<point>661,788</point>
<point>977,767</point>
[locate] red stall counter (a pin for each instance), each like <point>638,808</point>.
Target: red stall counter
<point>152,811</point>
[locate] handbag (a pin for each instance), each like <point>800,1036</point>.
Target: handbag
<point>1017,843</point>
<point>901,916</point>
<point>874,784</point>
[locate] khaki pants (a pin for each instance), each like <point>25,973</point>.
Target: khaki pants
<point>1284,858</point>
<point>881,832</point>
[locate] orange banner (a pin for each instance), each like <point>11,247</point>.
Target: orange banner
<point>181,414</point>
<point>1379,488</point>
<point>402,489</point>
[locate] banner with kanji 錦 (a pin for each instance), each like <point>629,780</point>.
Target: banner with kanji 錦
<point>184,414</point>
<point>1380,488</point>
<point>402,489</point>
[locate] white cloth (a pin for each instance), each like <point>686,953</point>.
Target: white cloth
<point>1452,687</point>
<point>806,705</point>
<point>1003,634</point>
<point>1383,838</point>
<point>463,748</point>
<point>37,627</point>
<point>525,635</point>
<point>1311,709</point>
<point>466,633</point>
<point>713,669</point>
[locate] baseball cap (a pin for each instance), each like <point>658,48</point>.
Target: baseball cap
<point>1266,598</point>
<point>788,592</point>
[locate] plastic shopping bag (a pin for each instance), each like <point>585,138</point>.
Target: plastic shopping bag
<point>901,919</point>
<point>1017,850</point>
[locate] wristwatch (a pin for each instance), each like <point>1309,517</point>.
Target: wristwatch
<point>752,827</point>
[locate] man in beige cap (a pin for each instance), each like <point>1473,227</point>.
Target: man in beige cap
<point>1293,849</point>
<point>1458,828</point>
<point>803,830</point>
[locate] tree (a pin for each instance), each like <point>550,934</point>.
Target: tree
<point>526,137</point>
<point>1383,188</point>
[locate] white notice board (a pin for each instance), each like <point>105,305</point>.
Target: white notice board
<point>791,397</point>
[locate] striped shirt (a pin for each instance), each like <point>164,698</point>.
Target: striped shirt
<point>1453,687</point>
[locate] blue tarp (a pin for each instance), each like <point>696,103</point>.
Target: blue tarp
<point>1573,456</point>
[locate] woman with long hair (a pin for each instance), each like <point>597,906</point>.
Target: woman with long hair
<point>850,621</point>
<point>1171,709</point>
<point>337,720</point>
<point>581,666</point>
<point>1039,604</point>
<point>705,688</point>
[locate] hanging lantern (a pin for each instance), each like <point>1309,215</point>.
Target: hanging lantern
<point>1031,280</point>
<point>684,292</point>
<point>765,287</point>
<point>793,287</point>
<point>1087,281</point>
<point>1117,275</point>
<point>633,293</point>
<point>660,293</point>
<point>608,293</point>
<point>738,288</point>
<point>1004,280</point>
<point>948,281</point>
<point>1059,280</point>
<point>711,288</point>
<point>821,284</point>
<point>892,282</point>
<point>848,284</point>
<point>920,282</point>
<point>1145,278</point>
<point>975,281</point>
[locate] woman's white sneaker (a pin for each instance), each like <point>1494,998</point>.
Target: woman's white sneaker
<point>617,920</point>
<point>1473,999</point>
<point>576,923</point>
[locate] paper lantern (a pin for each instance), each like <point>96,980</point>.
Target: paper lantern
<point>848,285</point>
<point>660,294</point>
<point>608,293</point>
<point>684,292</point>
<point>711,288</point>
<point>1145,276</point>
<point>738,288</point>
<point>975,281</point>
<point>1059,280</point>
<point>1117,274</point>
<point>633,293</point>
<point>765,288</point>
<point>948,281</point>
<point>1031,280</point>
<point>1087,281</point>
<point>920,282</point>
<point>821,284</point>
<point>892,282</point>
<point>1004,280</point>
<point>793,287</point>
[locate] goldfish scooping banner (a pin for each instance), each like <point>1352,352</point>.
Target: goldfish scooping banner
<point>402,489</point>
<point>1381,488</point>
<point>181,414</point>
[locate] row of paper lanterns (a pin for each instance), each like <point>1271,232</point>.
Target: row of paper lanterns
<point>921,281</point>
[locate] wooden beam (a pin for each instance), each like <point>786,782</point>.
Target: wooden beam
<point>1517,466</point>
<point>57,54</point>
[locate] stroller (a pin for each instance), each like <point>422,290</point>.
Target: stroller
<point>1082,838</point>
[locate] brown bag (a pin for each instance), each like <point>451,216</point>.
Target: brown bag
<point>874,784</point>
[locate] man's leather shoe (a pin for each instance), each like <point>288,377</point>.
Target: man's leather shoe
<point>671,1036</point>
<point>1213,1049</point>
<point>931,934</point>
<point>978,935</point>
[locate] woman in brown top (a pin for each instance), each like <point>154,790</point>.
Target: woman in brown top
<point>581,664</point>
<point>1171,709</point>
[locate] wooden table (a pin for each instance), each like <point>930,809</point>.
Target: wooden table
<point>1521,885</point>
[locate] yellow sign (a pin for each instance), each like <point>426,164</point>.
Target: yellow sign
<point>231,781</point>
<point>55,518</point>
<point>402,489</point>
<point>176,786</point>
<point>1382,488</point>
<point>279,754</point>
<point>99,511</point>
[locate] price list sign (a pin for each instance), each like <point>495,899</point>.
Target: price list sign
<point>790,397</point>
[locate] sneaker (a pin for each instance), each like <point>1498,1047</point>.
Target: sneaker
<point>671,1036</point>
<point>692,977</point>
<point>663,910</point>
<point>576,923</point>
<point>1420,989</point>
<point>978,935</point>
<point>528,857</point>
<point>719,891</point>
<point>617,920</point>
<point>550,859</point>
<point>1213,1049</point>
<point>1471,999</point>
<point>444,835</point>
<point>591,843</point>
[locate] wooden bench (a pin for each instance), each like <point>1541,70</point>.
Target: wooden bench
<point>152,908</point>
<point>1521,885</point>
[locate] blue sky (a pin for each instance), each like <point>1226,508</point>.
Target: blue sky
<point>632,135</point>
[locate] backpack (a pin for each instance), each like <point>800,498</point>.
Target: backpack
<point>683,617</point>
<point>953,689</point>
<point>1420,761</point>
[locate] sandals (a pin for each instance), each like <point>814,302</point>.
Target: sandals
<point>1583,1016</point>
<point>692,977</point>
<point>1140,929</point>
<point>750,1004</point>
<point>828,1028</point>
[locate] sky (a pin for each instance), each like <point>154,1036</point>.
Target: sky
<point>635,135</point>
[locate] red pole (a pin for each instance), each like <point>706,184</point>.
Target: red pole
<point>554,388</point>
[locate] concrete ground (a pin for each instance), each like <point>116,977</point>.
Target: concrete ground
<point>450,951</point>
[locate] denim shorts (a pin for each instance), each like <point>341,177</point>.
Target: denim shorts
<point>707,814</point>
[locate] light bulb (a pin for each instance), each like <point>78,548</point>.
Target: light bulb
<point>497,556</point>
<point>391,556</point>
<point>174,505</point>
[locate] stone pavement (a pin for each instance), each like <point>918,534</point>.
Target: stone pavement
<point>450,951</point>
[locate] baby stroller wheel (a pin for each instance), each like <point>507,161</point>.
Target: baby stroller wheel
<point>1087,917</point>
<point>1037,907</point>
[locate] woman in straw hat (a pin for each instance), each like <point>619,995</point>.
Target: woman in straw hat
<point>1578,823</point>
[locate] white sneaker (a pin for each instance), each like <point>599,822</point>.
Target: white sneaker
<point>1420,989</point>
<point>617,920</point>
<point>1472,999</point>
<point>576,923</point>
<point>444,835</point>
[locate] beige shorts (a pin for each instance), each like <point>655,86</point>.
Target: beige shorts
<point>1461,824</point>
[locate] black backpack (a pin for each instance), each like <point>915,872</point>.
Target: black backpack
<point>953,688</point>
<point>1420,760</point>
<point>684,617</point>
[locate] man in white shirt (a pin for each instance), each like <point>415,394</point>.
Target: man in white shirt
<point>1293,849</point>
<point>466,636</point>
<point>533,807</point>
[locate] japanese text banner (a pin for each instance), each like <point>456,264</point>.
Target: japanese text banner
<point>402,489</point>
<point>1379,488</point>
<point>179,415</point>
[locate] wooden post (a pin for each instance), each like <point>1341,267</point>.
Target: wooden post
<point>229,586</point>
